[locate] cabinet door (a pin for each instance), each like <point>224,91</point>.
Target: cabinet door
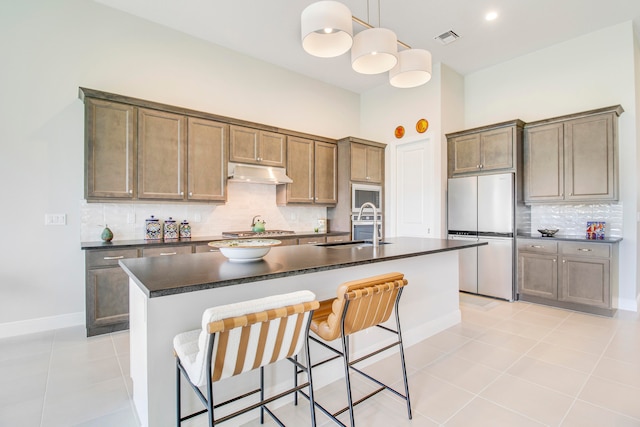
<point>109,150</point>
<point>107,299</point>
<point>464,153</point>
<point>366,163</point>
<point>300,170</point>
<point>544,163</point>
<point>496,149</point>
<point>538,275</point>
<point>161,155</point>
<point>272,149</point>
<point>206,162</point>
<point>589,160</point>
<point>585,281</point>
<point>243,144</point>
<point>326,169</point>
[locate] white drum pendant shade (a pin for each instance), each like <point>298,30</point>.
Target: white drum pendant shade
<point>327,30</point>
<point>374,51</point>
<point>413,69</point>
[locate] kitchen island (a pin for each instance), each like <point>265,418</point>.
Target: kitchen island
<point>167,295</point>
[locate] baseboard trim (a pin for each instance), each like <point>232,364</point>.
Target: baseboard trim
<point>24,327</point>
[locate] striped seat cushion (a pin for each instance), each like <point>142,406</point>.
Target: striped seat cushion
<point>242,349</point>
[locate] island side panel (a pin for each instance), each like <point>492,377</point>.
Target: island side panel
<point>429,305</point>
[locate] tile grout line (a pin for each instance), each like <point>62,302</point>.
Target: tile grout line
<point>46,384</point>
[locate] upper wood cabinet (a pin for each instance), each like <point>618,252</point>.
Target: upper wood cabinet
<point>484,150</point>
<point>366,163</point>
<point>312,165</point>
<point>572,158</point>
<point>110,147</point>
<point>247,145</point>
<point>162,141</point>
<point>138,153</point>
<point>207,144</point>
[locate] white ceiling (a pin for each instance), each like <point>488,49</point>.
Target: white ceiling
<point>270,29</point>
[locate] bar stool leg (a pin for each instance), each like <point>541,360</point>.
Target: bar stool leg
<point>347,377</point>
<point>404,367</point>
<point>178,397</point>
<point>312,401</point>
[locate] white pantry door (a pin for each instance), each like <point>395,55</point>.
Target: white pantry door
<point>414,189</point>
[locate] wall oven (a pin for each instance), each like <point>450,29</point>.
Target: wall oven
<point>363,229</point>
<point>362,193</point>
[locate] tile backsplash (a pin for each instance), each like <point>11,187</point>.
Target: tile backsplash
<point>127,220</point>
<point>571,220</point>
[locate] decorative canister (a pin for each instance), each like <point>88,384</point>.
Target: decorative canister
<point>107,234</point>
<point>185,230</point>
<point>153,229</point>
<point>170,229</point>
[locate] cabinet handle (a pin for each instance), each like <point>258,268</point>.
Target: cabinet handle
<point>554,261</point>
<point>584,250</point>
<point>537,246</point>
<point>167,253</point>
<point>311,243</point>
<point>481,166</point>
<point>130,191</point>
<point>108,258</point>
<point>182,193</point>
<point>564,261</point>
<point>190,193</point>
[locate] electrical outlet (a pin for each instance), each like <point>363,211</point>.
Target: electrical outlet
<point>55,219</point>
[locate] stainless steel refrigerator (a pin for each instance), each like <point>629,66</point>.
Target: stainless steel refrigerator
<point>482,208</point>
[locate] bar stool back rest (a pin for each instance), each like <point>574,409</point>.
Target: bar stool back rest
<point>371,302</point>
<point>247,335</point>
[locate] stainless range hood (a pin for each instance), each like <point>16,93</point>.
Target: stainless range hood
<point>239,172</point>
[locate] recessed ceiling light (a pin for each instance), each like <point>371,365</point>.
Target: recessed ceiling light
<point>491,16</point>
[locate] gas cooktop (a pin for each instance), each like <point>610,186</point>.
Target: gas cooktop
<point>266,233</point>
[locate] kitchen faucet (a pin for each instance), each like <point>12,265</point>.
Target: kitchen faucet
<point>374,236</point>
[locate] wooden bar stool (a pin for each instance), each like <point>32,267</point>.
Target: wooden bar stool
<point>361,304</point>
<point>241,337</point>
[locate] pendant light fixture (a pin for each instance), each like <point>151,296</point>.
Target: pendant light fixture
<point>327,30</point>
<point>413,69</point>
<point>374,51</point>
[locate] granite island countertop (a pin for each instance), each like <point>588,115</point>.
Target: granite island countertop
<point>162,276</point>
<point>607,239</point>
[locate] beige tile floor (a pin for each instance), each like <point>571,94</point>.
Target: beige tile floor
<point>506,364</point>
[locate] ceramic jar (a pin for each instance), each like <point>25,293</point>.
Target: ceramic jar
<point>185,230</point>
<point>153,229</point>
<point>170,229</point>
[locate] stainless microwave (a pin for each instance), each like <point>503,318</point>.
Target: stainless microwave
<point>363,193</point>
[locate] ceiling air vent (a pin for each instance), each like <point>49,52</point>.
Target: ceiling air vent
<point>447,37</point>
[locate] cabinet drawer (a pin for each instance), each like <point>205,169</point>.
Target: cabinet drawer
<point>335,239</point>
<point>287,242</point>
<point>538,246</point>
<point>311,240</point>
<point>166,251</point>
<point>109,257</point>
<point>598,250</point>
<point>205,248</point>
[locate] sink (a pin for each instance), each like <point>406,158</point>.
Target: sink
<point>357,244</point>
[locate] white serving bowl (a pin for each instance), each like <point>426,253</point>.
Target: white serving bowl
<point>245,250</point>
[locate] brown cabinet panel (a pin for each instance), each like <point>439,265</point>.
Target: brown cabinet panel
<point>206,161</point>
<point>167,251</point>
<point>538,275</point>
<point>300,161</point>
<point>366,163</point>
<point>311,240</point>
<point>585,281</point>
<point>465,153</point>
<point>108,296</point>
<point>247,145</point>
<point>109,257</point>
<point>161,154</point>
<point>589,164</point>
<point>326,173</point>
<point>544,163</point>
<point>110,146</point>
<point>496,149</point>
<point>273,149</point>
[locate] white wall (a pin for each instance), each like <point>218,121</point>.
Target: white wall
<point>49,50</point>
<point>589,72</point>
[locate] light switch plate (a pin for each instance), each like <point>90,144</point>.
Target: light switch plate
<point>55,219</point>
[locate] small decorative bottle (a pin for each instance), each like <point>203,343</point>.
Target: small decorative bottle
<point>170,229</point>
<point>153,229</point>
<point>107,234</point>
<point>185,230</point>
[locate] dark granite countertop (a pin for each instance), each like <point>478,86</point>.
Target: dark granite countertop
<point>200,239</point>
<point>607,239</point>
<point>161,276</point>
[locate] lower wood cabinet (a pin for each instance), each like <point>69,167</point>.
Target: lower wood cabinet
<point>575,275</point>
<point>107,291</point>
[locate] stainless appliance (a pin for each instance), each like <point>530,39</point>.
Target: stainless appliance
<point>482,208</point>
<point>266,233</point>
<point>362,229</point>
<point>363,193</point>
